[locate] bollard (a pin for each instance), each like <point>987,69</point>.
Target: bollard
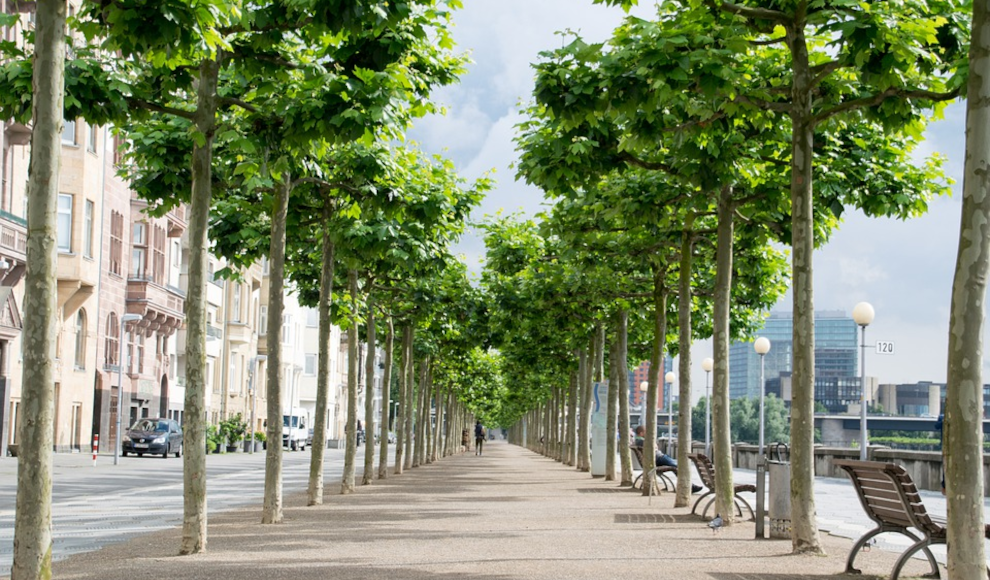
<point>780,494</point>
<point>761,488</point>
<point>96,447</point>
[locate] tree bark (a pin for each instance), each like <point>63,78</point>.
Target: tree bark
<point>570,456</point>
<point>584,419</point>
<point>272,505</point>
<point>722,445</point>
<point>194,463</point>
<point>386,401</point>
<point>410,398</point>
<point>622,360</point>
<point>369,393</point>
<point>323,380</point>
<point>660,292</point>
<point>684,303</point>
<point>804,528</point>
<point>353,361</point>
<point>964,390</point>
<point>400,415</point>
<point>612,411</point>
<point>32,558</point>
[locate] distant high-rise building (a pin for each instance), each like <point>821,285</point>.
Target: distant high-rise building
<point>642,373</point>
<point>835,352</point>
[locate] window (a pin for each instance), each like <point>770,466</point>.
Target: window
<point>312,317</point>
<point>310,368</point>
<point>208,376</point>
<point>81,339</point>
<point>64,223</point>
<point>112,342</point>
<point>139,249</point>
<point>140,350</point>
<point>263,320</point>
<point>118,150</point>
<point>286,329</point>
<point>69,132</point>
<point>88,228</point>
<point>159,255</point>
<point>235,315</point>
<point>116,242</point>
<point>91,145</point>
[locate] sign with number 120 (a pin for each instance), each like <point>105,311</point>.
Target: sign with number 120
<point>884,347</point>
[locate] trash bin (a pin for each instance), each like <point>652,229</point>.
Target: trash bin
<point>779,508</point>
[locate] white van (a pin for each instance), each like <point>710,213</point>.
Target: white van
<point>295,429</point>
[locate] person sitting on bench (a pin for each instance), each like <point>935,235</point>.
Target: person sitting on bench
<point>662,459</point>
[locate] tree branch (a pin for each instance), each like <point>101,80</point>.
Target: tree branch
<point>768,42</point>
<point>237,103</point>
<point>755,13</point>
<point>637,162</point>
<point>149,106</point>
<point>875,100</point>
<point>764,105</point>
<point>823,70</point>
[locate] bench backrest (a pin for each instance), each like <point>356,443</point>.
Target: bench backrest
<point>888,494</point>
<point>706,471</point>
<point>638,454</point>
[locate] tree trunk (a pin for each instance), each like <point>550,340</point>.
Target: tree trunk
<point>318,447</point>
<point>400,414</point>
<point>570,454</point>
<point>272,506</point>
<point>622,360</point>
<point>438,425</point>
<point>369,393</point>
<point>804,528</point>
<point>194,463</point>
<point>964,389</point>
<point>584,423</point>
<point>347,478</point>
<point>612,410</point>
<point>684,302</point>
<point>656,372</point>
<point>410,398</point>
<point>33,516</point>
<point>722,445</point>
<point>386,401</point>
<point>422,401</point>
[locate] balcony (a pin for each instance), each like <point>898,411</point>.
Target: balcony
<point>176,221</point>
<point>213,332</point>
<point>160,305</point>
<point>239,332</point>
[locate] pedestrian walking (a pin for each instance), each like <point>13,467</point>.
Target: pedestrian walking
<point>479,437</point>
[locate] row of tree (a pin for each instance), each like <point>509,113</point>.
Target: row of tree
<point>680,155</point>
<point>281,125</point>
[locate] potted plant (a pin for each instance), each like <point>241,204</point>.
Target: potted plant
<point>259,440</point>
<point>232,432</point>
<point>213,440</point>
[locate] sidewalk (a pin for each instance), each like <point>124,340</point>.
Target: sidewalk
<point>507,514</point>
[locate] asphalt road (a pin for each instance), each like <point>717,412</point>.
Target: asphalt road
<point>97,505</point>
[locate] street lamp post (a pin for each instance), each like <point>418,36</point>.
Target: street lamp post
<point>253,389</point>
<point>708,364</point>
<point>644,387</point>
<point>762,347</point>
<point>120,382</point>
<point>670,377</point>
<point>863,315</point>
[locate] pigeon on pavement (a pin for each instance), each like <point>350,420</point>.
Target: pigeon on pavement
<point>716,524</point>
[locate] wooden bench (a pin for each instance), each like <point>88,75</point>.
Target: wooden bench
<point>890,499</point>
<point>662,472</point>
<point>707,473</point>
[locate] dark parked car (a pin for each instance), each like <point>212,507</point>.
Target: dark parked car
<point>154,436</point>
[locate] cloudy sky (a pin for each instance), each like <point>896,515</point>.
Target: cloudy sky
<point>903,268</point>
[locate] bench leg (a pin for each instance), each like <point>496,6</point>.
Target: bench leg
<point>704,512</point>
<point>701,497</point>
<point>859,546</point>
<point>920,544</point>
<point>739,499</point>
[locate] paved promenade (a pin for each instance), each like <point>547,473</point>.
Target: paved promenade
<point>507,514</point>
